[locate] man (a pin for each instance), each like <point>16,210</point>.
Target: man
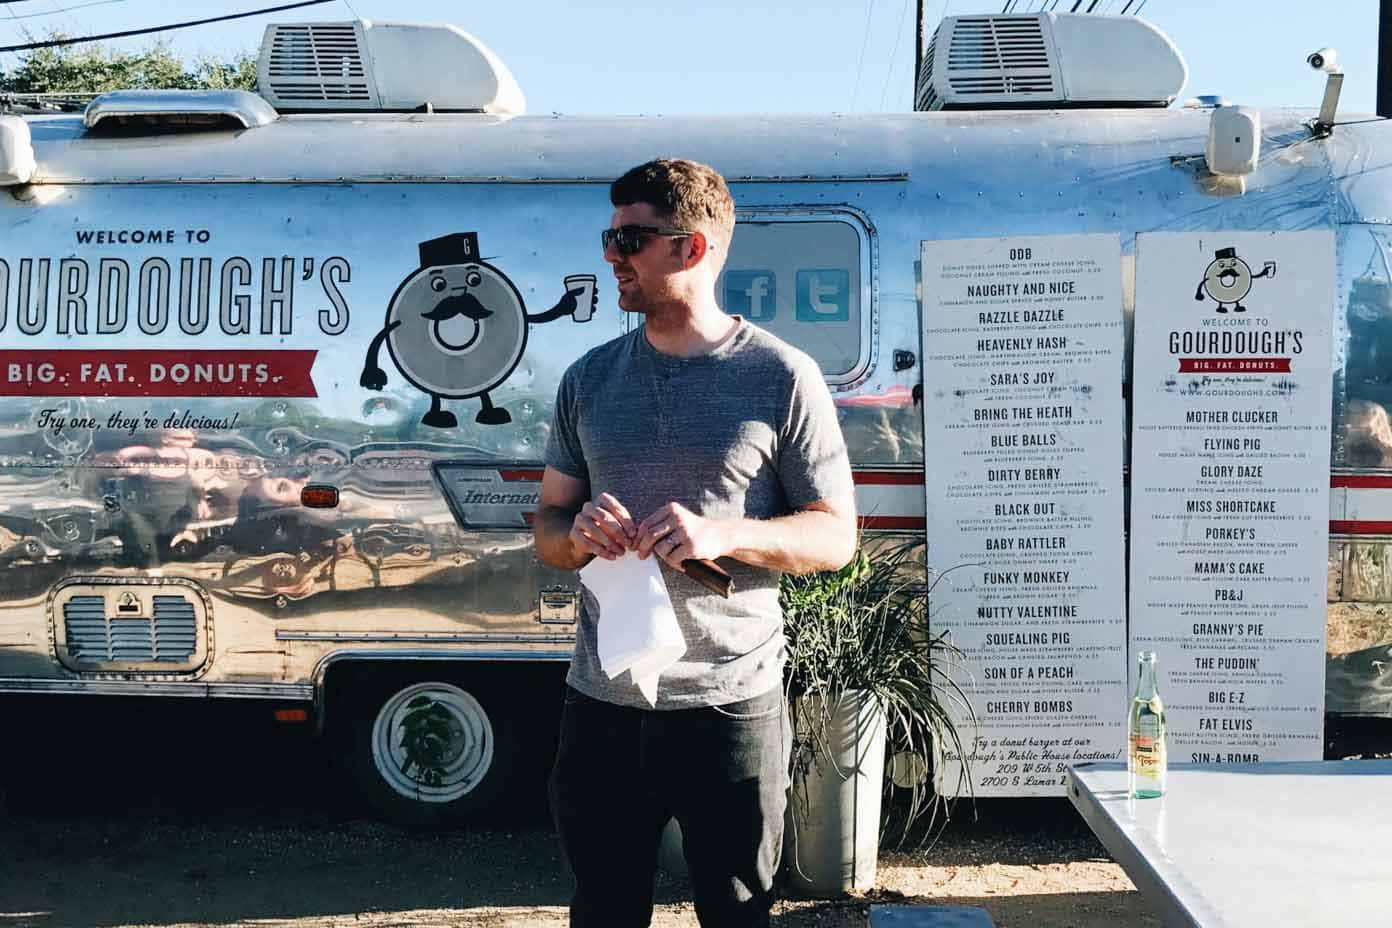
<point>697,435</point>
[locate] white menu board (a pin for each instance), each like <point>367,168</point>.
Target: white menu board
<point>1230,488</point>
<point>1022,339</point>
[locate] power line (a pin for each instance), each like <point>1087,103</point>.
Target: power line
<point>166,28</point>
<point>870,15</point>
<point>898,35</point>
<point>64,9</point>
<point>57,10</point>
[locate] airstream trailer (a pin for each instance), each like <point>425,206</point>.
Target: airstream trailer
<point>256,441</point>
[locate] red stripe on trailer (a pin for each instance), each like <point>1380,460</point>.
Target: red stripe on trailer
<point>1336,527</point>
<point>1359,527</point>
<point>1362,481</point>
<point>516,476</point>
<point>898,478</point>
<point>909,478</point>
<point>912,523</point>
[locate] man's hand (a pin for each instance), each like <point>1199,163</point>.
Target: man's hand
<point>603,528</point>
<point>675,534</point>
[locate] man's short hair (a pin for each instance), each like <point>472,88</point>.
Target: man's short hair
<point>688,194</point>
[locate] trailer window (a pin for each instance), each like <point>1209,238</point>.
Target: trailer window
<point>801,277</point>
<point>1365,430</point>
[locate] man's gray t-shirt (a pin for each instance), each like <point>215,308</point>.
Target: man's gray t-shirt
<point>746,431</point>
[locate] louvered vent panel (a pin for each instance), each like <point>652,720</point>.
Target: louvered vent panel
<point>317,64</point>
<point>927,95</point>
<point>988,61</point>
<point>1014,49</point>
<point>175,628</point>
<point>85,618</point>
<point>94,637</point>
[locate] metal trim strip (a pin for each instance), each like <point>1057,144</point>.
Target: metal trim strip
<point>424,637</point>
<point>447,179</point>
<point>321,669</point>
<point>302,692</point>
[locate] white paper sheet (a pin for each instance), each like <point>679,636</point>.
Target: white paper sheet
<point>638,630</point>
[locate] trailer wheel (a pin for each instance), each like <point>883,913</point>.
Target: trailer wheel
<point>431,752</point>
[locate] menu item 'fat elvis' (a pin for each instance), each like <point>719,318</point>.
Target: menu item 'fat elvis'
<point>1023,419</point>
<point>1229,493</point>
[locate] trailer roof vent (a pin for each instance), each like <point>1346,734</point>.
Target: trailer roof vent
<point>141,111</point>
<point>1047,61</point>
<point>393,67</point>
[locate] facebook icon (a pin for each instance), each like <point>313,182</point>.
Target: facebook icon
<point>823,295</point>
<point>752,294</point>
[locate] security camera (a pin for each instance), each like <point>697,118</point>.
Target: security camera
<point>1326,60</point>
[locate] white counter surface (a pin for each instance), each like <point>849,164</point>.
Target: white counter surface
<point>1263,845</point>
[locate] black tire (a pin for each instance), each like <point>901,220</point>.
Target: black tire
<point>464,742</point>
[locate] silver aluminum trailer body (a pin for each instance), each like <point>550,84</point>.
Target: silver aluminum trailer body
<point>175,482</point>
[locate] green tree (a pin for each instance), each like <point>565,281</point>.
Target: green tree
<point>94,68</point>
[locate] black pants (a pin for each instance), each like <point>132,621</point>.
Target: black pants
<point>621,773</point>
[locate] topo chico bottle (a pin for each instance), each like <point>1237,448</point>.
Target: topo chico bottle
<point>1146,758</point>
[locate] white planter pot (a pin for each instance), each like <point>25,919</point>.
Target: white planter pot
<point>832,830</point>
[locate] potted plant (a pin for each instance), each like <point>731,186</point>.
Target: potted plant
<point>866,678</point>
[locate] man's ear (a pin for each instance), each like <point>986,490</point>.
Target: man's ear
<point>696,248</point>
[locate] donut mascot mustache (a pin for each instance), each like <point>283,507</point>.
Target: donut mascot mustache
<point>465,304</point>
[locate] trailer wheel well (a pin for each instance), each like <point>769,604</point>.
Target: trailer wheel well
<point>485,732</point>
<point>534,680</point>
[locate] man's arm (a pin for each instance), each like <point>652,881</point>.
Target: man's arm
<point>819,536</point>
<point>569,530</point>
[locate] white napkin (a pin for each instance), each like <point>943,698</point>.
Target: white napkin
<point>638,629</point>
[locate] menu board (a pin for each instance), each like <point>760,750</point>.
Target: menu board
<point>1023,422</point>
<point>1230,488</point>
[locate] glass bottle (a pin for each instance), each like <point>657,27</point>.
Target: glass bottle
<point>1146,757</point>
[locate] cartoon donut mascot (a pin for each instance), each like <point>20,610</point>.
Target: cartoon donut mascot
<point>1227,279</point>
<point>456,328</point>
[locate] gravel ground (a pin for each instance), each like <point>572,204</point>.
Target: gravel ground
<point>126,813</point>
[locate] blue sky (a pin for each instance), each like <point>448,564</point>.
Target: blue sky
<point>775,56</point>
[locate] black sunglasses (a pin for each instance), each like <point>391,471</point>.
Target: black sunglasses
<point>629,239</point>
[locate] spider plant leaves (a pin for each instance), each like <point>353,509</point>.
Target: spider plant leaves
<point>865,628</point>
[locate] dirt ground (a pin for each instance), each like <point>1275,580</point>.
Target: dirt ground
<point>138,815</point>
<point>1355,626</point>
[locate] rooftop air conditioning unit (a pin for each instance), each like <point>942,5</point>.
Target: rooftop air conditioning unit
<point>1047,61</point>
<point>362,65</point>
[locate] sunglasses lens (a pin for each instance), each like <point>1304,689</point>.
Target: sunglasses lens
<point>630,240</point>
